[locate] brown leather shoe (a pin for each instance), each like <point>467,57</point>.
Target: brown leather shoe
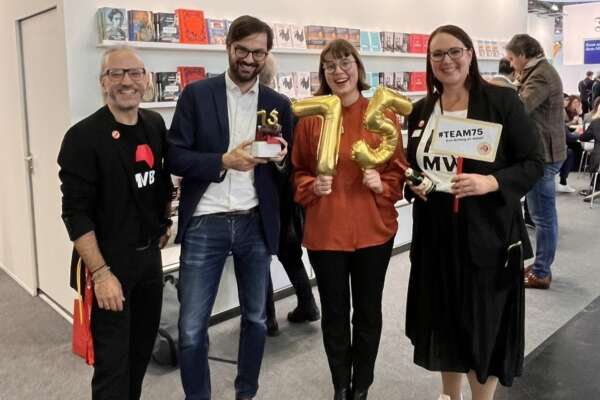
<point>533,282</point>
<point>529,268</point>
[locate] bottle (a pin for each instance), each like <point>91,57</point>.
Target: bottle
<point>418,179</point>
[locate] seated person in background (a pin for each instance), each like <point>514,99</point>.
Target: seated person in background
<point>574,110</point>
<point>573,127</point>
<point>593,133</point>
<point>587,117</point>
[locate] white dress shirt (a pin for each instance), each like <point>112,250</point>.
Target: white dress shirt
<point>236,192</point>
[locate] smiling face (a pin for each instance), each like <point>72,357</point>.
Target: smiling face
<point>126,94</point>
<point>246,69</point>
<point>450,71</point>
<point>341,75</point>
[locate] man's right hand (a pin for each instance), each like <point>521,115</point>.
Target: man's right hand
<point>109,293</point>
<point>240,158</point>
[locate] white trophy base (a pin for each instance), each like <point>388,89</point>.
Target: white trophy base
<point>265,150</point>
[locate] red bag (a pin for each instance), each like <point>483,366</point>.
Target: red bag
<point>82,342</point>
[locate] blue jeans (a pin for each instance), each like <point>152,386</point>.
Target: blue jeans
<point>541,200</point>
<point>207,242</point>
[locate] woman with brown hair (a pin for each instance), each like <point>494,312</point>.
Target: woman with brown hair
<point>350,225</point>
<point>465,304</point>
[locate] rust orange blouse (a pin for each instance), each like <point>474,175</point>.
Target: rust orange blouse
<point>352,216</point>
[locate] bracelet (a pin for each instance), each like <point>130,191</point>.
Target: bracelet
<point>100,272</point>
<point>97,269</point>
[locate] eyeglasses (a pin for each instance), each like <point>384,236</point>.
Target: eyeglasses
<point>453,52</point>
<point>345,64</point>
<point>242,52</point>
<point>118,74</point>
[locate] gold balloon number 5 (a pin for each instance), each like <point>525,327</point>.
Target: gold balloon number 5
<point>329,109</point>
<point>375,120</point>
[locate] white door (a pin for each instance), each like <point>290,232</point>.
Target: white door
<point>46,111</point>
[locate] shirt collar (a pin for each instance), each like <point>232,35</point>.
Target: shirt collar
<point>233,87</point>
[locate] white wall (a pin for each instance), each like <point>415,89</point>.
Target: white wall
<point>479,19</point>
<point>579,23</point>
<point>542,29</point>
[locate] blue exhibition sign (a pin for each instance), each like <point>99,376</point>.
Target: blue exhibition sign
<point>591,51</point>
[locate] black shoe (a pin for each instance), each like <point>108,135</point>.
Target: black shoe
<point>272,328</point>
<point>360,394</point>
<point>304,314</point>
<point>342,394</point>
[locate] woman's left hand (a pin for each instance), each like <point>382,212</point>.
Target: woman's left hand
<point>372,180</point>
<point>465,185</point>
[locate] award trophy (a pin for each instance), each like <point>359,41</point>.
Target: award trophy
<point>265,144</point>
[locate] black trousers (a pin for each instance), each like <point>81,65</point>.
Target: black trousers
<point>123,340</point>
<point>341,276</point>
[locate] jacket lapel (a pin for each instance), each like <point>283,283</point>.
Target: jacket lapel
<point>220,98</point>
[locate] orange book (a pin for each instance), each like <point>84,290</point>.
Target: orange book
<point>192,26</point>
<point>188,75</point>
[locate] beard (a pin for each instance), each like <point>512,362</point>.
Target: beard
<point>236,68</point>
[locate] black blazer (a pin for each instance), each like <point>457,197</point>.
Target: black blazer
<point>494,221</point>
<point>197,140</point>
<point>98,186</point>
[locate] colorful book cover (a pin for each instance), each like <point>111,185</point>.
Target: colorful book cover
<point>315,37</point>
<point>481,48</point>
<point>401,42</point>
<point>187,75</point>
<point>330,33</point>
<point>141,26</point>
<point>150,92</point>
<point>285,84</point>
<point>495,49</point>
<point>387,41</point>
<point>112,23</point>
<point>415,43</point>
<point>375,41</point>
<point>401,81</point>
<point>302,84</point>
<point>341,33</point>
<point>374,80</point>
<point>417,82</point>
<point>166,27</point>
<point>192,26</point>
<point>315,83</point>
<point>425,39</point>
<point>354,37</point>
<point>168,86</point>
<point>217,31</point>
<point>365,42</point>
<point>298,36</point>
<point>389,80</point>
<point>283,32</point>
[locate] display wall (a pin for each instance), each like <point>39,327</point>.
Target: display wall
<point>479,19</point>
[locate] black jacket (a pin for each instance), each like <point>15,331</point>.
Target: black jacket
<point>98,186</point>
<point>494,221</point>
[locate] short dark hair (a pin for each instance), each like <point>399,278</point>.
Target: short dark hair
<point>114,12</point>
<point>525,45</point>
<point>474,79</point>
<point>504,67</point>
<point>340,48</point>
<point>589,73</point>
<point>247,25</point>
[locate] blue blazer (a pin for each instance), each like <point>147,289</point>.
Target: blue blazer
<point>197,140</point>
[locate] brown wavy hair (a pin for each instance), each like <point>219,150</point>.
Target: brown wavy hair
<point>340,48</point>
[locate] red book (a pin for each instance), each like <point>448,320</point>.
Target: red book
<point>417,82</point>
<point>425,39</point>
<point>188,75</point>
<point>415,43</point>
<point>192,26</point>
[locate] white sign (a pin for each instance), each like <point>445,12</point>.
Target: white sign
<point>467,138</point>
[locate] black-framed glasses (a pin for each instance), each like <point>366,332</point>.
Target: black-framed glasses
<point>117,74</point>
<point>242,52</point>
<point>345,64</point>
<point>453,52</point>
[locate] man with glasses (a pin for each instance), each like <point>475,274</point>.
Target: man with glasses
<point>229,203</point>
<point>115,205</point>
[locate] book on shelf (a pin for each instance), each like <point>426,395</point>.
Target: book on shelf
<point>401,80</point>
<point>285,84</point>
<point>227,25</point>
<point>417,43</point>
<point>192,26</point>
<point>375,41</point>
<point>374,80</point>
<point>495,49</point>
<point>354,37</point>
<point>387,41</point>
<point>112,23</point>
<point>212,75</point>
<point>141,25</point>
<point>166,27</point>
<point>315,37</point>
<point>365,41</point>
<point>315,83</point>
<point>481,48</point>
<point>283,33</point>
<point>298,36</point>
<point>330,33</point>
<point>401,42</point>
<point>488,48</point>
<point>387,79</point>
<point>417,82</point>
<point>167,86</point>
<point>341,33</point>
<point>150,92</point>
<point>187,75</point>
<point>216,30</point>
<point>302,84</point>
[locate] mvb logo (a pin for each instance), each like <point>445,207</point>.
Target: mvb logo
<point>144,179</point>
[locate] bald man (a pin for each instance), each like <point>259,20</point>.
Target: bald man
<point>115,205</point>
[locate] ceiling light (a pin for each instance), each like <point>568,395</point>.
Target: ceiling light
<point>554,7</point>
